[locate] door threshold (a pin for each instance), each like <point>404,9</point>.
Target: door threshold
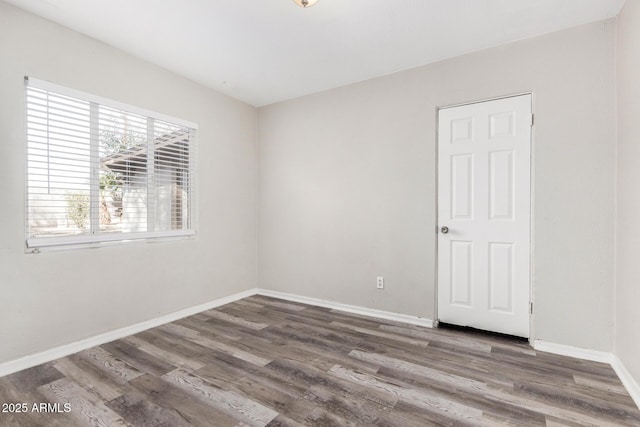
<point>481,332</point>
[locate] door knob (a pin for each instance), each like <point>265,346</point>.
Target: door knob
<point>444,229</point>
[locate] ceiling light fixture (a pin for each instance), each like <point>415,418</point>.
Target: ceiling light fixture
<point>305,3</point>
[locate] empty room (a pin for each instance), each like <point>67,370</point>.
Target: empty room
<point>320,213</point>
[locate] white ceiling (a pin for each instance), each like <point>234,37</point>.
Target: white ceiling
<point>264,51</point>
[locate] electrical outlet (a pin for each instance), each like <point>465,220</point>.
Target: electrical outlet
<point>380,282</point>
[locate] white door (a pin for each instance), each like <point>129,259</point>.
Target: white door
<point>484,205</point>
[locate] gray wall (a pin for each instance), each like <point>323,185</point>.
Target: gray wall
<point>628,226</point>
<point>52,299</point>
<point>347,182</point>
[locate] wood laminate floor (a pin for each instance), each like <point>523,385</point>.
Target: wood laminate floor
<point>266,362</point>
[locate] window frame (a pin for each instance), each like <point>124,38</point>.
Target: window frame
<point>95,238</point>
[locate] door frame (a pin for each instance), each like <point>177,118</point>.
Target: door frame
<point>532,312</point>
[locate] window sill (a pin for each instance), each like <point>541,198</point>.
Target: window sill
<point>36,245</point>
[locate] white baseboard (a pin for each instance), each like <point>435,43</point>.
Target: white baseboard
<point>380,314</point>
<point>30,361</point>
<point>628,381</point>
<point>577,352</point>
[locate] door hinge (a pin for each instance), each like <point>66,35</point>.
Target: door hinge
<point>530,307</point>
<point>532,119</point>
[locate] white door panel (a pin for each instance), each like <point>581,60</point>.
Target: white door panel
<point>462,186</point>
<point>484,199</point>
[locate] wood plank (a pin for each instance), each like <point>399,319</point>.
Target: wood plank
<point>420,398</point>
<point>109,364</point>
<point>205,329</point>
<point>440,340</point>
<point>138,410</point>
<point>88,379</point>
<point>31,378</point>
<point>219,315</point>
<point>247,303</point>
<point>244,375</point>
<point>549,409</point>
<point>194,411</point>
<point>382,334</point>
<point>138,359</point>
<point>231,403</point>
<point>231,350</point>
<point>173,343</point>
<point>171,357</point>
<point>599,383</point>
<point>572,398</point>
<point>355,411</point>
<point>284,421</point>
<point>85,408</point>
<point>451,380</point>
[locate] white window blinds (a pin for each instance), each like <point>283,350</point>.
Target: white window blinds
<point>99,171</point>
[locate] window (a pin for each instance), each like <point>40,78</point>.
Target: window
<point>99,171</point>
